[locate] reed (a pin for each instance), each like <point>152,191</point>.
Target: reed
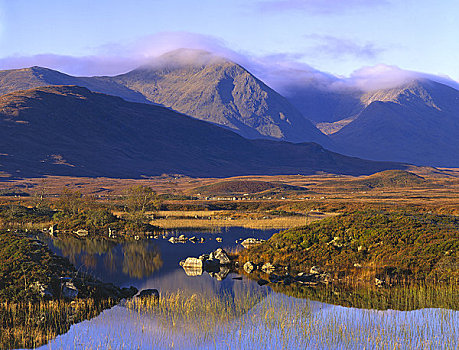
<point>29,325</point>
<point>273,322</point>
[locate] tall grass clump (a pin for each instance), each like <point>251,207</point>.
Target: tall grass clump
<point>32,324</point>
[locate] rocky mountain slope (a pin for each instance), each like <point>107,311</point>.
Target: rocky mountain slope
<point>69,130</point>
<point>220,91</point>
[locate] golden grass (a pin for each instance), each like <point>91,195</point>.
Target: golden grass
<point>253,223</point>
<point>245,320</point>
<point>29,325</point>
<point>188,213</point>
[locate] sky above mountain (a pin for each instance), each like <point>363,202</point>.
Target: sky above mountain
<point>365,41</point>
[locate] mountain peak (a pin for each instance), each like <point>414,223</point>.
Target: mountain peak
<point>212,88</point>
<point>419,90</point>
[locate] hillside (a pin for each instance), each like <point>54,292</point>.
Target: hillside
<point>239,187</point>
<point>417,245</point>
<point>69,130</point>
<point>323,105</point>
<point>392,178</point>
<point>389,179</point>
<point>28,78</point>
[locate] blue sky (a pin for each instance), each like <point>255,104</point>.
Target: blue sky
<point>335,36</point>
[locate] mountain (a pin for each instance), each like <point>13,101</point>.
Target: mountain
<point>196,83</point>
<point>417,123</point>
<point>69,130</point>
<point>211,88</point>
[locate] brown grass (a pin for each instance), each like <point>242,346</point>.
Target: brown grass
<point>254,223</point>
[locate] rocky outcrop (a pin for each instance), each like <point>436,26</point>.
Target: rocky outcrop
<point>250,242</point>
<point>42,289</point>
<point>277,274</point>
<point>268,268</point>
<point>221,256</point>
<point>212,265</point>
<point>82,232</point>
<point>262,282</point>
<point>179,239</point>
<point>192,266</point>
<point>221,274</point>
<point>217,264</point>
<point>69,291</point>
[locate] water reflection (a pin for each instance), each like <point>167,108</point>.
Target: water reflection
<point>140,259</point>
<point>135,262</point>
<point>135,259</point>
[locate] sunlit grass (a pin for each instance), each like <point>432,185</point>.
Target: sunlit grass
<point>27,324</point>
<point>261,224</point>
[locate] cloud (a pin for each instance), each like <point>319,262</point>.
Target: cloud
<point>338,47</point>
<point>283,72</point>
<point>384,76</point>
<point>319,6</point>
<point>119,58</point>
<point>86,65</point>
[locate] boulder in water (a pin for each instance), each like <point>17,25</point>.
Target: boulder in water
<point>221,256</point>
<point>249,267</point>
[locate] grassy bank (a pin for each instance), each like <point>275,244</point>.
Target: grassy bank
<point>34,306</point>
<point>24,262</point>
<point>368,244</point>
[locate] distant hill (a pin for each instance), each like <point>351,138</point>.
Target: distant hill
<point>387,179</point>
<point>239,187</point>
<point>391,179</point>
<point>28,78</point>
<point>69,130</point>
<point>416,123</point>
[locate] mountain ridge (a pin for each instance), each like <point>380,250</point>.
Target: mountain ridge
<point>69,130</point>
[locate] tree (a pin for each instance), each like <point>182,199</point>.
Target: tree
<point>40,194</point>
<point>140,199</point>
<point>70,202</point>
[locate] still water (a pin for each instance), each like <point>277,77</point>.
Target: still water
<point>233,313</point>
